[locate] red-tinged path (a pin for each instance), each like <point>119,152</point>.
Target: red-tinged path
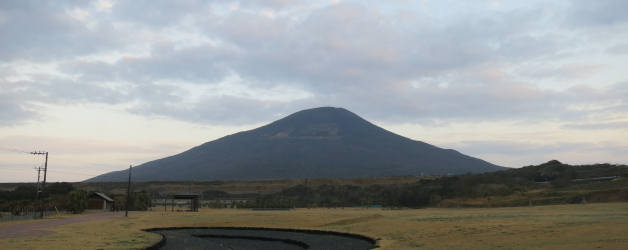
<point>37,227</point>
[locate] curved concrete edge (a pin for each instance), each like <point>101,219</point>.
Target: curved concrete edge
<point>286,241</point>
<point>162,242</point>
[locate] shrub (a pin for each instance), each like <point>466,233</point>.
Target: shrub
<point>77,201</point>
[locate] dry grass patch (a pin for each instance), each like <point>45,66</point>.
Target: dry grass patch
<point>544,227</point>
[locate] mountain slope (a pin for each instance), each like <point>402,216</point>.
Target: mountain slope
<point>315,143</point>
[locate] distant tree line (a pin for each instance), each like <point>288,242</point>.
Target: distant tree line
<point>22,198</point>
<point>61,196</point>
<point>139,201</point>
<point>431,191</point>
<point>554,177</point>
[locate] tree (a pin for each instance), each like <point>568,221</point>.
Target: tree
<point>59,188</point>
<point>77,201</point>
<point>139,201</point>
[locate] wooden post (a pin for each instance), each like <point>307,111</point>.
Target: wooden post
<point>128,194</point>
<point>43,185</point>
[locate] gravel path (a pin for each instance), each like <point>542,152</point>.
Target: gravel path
<point>35,228</point>
<point>260,239</point>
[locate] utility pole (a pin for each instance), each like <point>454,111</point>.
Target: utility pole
<point>45,164</point>
<point>43,185</point>
<point>128,194</point>
<point>38,190</point>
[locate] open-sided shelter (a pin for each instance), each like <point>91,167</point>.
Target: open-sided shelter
<point>100,201</point>
<point>193,198</point>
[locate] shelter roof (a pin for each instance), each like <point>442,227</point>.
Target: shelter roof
<point>103,196</point>
<point>186,196</point>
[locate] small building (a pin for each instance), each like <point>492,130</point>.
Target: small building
<point>191,197</point>
<point>100,201</point>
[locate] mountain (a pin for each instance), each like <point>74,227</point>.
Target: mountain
<point>315,143</point>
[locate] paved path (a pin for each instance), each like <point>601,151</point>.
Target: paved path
<point>35,228</point>
<point>260,239</point>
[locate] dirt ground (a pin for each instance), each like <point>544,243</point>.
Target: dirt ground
<point>37,227</point>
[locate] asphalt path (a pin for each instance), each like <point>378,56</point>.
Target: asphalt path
<point>37,227</point>
<point>259,239</point>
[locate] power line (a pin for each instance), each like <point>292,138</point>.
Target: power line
<point>35,154</point>
<point>10,149</point>
<point>71,173</point>
<point>22,170</point>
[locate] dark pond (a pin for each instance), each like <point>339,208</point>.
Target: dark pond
<point>258,238</point>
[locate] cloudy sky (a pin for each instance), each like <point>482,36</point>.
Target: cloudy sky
<point>104,84</point>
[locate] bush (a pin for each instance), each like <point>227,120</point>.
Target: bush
<point>139,201</point>
<point>77,201</point>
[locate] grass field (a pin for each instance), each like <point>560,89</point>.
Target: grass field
<point>589,226</point>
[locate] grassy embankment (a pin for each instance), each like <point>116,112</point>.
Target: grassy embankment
<point>591,192</point>
<point>589,226</point>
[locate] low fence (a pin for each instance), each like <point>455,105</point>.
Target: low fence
<point>26,215</point>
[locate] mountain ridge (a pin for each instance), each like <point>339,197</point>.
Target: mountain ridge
<point>323,142</point>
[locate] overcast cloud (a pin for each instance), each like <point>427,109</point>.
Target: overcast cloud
<point>228,63</point>
<point>411,63</point>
